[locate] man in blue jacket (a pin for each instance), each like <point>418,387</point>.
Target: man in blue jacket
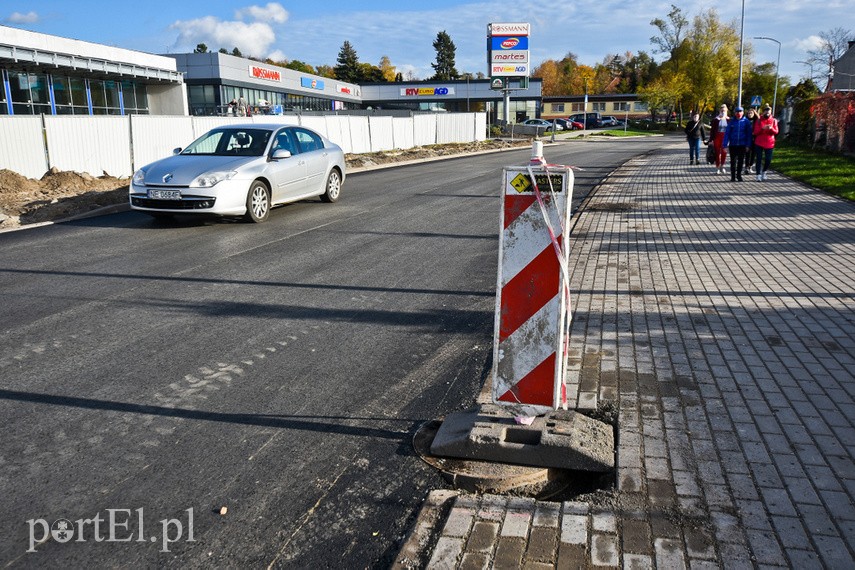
<point>737,139</point>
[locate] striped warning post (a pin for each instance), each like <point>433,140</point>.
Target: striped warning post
<point>531,308</point>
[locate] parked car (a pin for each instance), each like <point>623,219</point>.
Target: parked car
<point>241,170</point>
<point>590,120</point>
<point>611,121</point>
<point>543,123</point>
<point>572,125</point>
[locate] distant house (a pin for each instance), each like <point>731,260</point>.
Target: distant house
<point>618,104</point>
<point>844,71</point>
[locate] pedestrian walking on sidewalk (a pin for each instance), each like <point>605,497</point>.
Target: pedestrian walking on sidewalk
<point>717,129</point>
<point>737,139</point>
<point>765,130</point>
<point>695,134</point>
<point>752,115</point>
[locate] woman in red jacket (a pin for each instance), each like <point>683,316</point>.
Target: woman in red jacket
<point>765,130</point>
<point>717,130</point>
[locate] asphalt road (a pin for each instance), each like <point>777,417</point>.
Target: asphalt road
<point>151,371</point>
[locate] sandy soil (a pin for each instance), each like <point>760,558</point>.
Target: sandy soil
<point>59,195</point>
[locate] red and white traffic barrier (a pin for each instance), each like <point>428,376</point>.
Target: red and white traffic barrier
<point>532,294</point>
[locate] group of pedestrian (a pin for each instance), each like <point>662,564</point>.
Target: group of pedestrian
<point>238,107</point>
<point>750,140</point>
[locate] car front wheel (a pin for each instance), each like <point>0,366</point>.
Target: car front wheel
<point>333,189</point>
<point>258,202</point>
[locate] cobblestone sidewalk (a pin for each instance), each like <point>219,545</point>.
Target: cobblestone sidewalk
<point>719,318</point>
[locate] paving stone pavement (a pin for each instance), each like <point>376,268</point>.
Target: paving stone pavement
<point>719,319</point>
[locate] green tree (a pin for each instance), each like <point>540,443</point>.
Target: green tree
<point>802,91</point>
<point>369,74</point>
<point>348,64</point>
<point>201,48</point>
<point>445,52</point>
<point>664,94</point>
<point>236,52</point>
<point>325,71</point>
<point>712,57</point>
<point>223,50</point>
<point>760,80</point>
<point>671,34</point>
<point>301,66</point>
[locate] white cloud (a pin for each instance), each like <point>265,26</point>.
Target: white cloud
<point>251,31</point>
<point>277,55</point>
<point>807,44</point>
<point>19,18</point>
<point>252,39</point>
<point>273,12</point>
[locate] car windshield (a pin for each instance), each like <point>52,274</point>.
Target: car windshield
<point>230,142</point>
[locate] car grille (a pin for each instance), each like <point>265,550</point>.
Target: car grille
<point>185,203</point>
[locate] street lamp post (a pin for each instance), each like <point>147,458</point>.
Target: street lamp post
<point>741,44</point>
<point>777,65</point>
<point>808,64</point>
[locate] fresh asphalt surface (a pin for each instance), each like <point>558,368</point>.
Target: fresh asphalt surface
<point>279,370</point>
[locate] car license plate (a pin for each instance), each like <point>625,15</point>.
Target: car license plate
<point>164,194</point>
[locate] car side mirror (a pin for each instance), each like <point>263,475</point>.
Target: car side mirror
<point>177,150</point>
<point>281,153</point>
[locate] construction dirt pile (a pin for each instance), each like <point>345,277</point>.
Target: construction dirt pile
<point>60,195</point>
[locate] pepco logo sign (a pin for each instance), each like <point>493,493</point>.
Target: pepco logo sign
<point>510,43</point>
<point>263,73</point>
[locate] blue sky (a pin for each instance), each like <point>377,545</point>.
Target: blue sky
<point>404,31</point>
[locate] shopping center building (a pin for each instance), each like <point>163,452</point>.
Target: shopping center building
<point>44,74</point>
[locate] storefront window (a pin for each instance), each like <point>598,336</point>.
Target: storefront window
<point>111,97</point>
<point>129,99</point>
<point>79,103</point>
<point>99,100</point>
<point>19,84</point>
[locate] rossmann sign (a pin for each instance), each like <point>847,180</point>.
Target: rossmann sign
<point>509,29</point>
<point>264,73</point>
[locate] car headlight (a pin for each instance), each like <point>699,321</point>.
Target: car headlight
<point>212,179</point>
<point>139,177</point>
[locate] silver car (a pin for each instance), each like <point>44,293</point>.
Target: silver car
<point>241,170</point>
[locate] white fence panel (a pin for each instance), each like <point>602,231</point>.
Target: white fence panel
<point>481,127</point>
<point>403,132</point>
<point>346,142</point>
<point>316,123</point>
<point>424,130</point>
<point>276,119</point>
<point>155,136</point>
<point>382,133</point>
<point>360,135</point>
<point>334,130</point>
<point>456,128</point>
<point>22,147</point>
<point>90,144</point>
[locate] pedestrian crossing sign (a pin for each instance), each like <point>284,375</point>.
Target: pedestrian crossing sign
<point>756,100</point>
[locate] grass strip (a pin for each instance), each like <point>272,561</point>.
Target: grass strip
<point>833,173</point>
